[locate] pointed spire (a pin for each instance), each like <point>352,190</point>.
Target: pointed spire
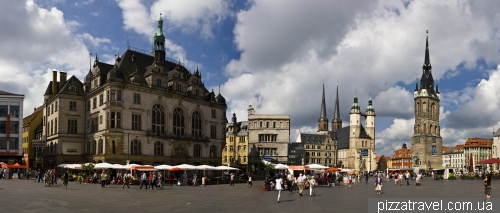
<point>322,116</point>
<point>427,60</point>
<point>219,89</point>
<point>336,114</point>
<point>437,88</point>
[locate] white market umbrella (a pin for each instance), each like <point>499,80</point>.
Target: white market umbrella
<point>317,166</point>
<point>225,168</point>
<point>118,166</point>
<point>103,166</point>
<point>346,170</point>
<point>280,166</point>
<point>185,167</point>
<point>205,168</point>
<point>62,165</point>
<point>73,166</point>
<point>163,167</point>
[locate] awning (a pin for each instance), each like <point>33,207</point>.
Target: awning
<point>146,170</point>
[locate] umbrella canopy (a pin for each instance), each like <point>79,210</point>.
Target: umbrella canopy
<point>15,166</point>
<point>163,167</point>
<point>205,167</point>
<point>73,166</point>
<point>103,166</point>
<point>345,170</point>
<point>333,170</point>
<point>490,161</point>
<point>225,168</point>
<point>317,166</point>
<point>298,168</point>
<point>185,167</point>
<point>118,166</point>
<point>280,166</point>
<point>62,165</point>
<point>176,169</point>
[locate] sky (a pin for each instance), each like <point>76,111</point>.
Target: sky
<point>276,55</point>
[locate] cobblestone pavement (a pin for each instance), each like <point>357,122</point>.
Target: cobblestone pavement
<point>28,196</point>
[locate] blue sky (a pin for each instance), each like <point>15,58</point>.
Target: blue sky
<point>276,54</point>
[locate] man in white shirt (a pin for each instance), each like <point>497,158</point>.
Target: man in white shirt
<point>279,186</point>
<point>143,180</point>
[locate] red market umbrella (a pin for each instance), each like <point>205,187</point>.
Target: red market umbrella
<point>175,169</point>
<point>332,170</point>
<point>490,161</point>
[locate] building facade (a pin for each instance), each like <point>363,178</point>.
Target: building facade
<point>457,157</point>
<point>11,114</point>
<point>402,158</point>
<point>144,109</point>
<point>235,153</point>
<point>447,155</point>
<point>268,137</point>
<point>426,140</point>
<point>346,147</point>
<point>477,149</point>
<point>30,124</point>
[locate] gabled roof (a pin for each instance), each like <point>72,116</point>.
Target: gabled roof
<point>73,81</point>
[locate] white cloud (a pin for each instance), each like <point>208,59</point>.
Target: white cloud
<point>192,15</point>
<point>94,41</point>
<point>35,42</point>
<point>367,49</point>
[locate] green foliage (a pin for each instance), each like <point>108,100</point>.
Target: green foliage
<point>88,167</point>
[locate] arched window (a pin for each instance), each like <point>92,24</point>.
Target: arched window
<point>430,129</point>
<point>94,147</point>
<point>136,147</point>
<point>433,109</point>
<point>197,150</point>
<point>101,147</point>
<point>418,129</point>
<point>213,153</point>
<point>424,106</point>
<point>158,148</point>
<point>425,128</point>
<point>158,119</point>
<point>178,122</point>
<point>113,147</point>
<point>436,130</point>
<point>196,124</point>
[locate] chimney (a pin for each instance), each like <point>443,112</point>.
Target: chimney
<point>54,82</point>
<point>62,79</point>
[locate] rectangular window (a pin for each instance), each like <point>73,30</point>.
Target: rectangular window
<point>95,126</point>
<point>197,92</point>
<point>213,132</point>
<point>94,105</point>
<point>245,148</point>
<point>244,158</point>
<point>101,99</point>
<point>231,159</point>
<point>213,113</point>
<point>55,128</point>
<point>56,107</point>
<point>136,122</point>
<point>137,98</point>
<point>72,126</point>
<point>118,95</point>
<point>267,124</point>
<point>274,124</point>
<point>52,109</point>
<point>72,105</point>
<point>107,95</point>
<point>113,95</point>
<point>231,148</point>
<point>267,137</point>
<point>225,158</point>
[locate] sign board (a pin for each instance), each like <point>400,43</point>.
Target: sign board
<point>266,158</point>
<point>38,143</point>
<point>364,152</point>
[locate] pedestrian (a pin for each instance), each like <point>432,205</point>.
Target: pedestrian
<point>195,183</point>
<point>153,181</point>
<point>18,173</point>
<point>417,180</point>
<point>300,183</point>
<point>249,184</point>
<point>487,184</point>
<point>312,182</point>
<point>407,178</point>
<point>160,180</point>
<point>231,182</point>
<point>378,184</point>
<point>400,179</point>
<point>143,180</point>
<point>279,183</point>
<point>55,176</point>
<point>150,179</point>
<point>395,178</point>
<point>366,178</point>
<point>39,175</point>
<point>127,178</point>
<point>65,180</point>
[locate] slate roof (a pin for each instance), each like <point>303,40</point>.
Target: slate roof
<point>8,93</point>
<point>243,128</point>
<point>343,136</point>
<point>312,138</point>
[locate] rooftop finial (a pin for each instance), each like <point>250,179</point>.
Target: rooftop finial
<point>219,89</point>
<point>427,31</point>
<point>90,61</point>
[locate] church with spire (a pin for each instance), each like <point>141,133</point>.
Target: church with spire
<point>426,140</point>
<point>350,147</point>
<point>144,108</point>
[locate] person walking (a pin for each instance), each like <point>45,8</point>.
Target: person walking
<point>312,182</point>
<point>143,180</point>
<point>65,180</point>
<point>400,176</point>
<point>378,184</point>
<point>407,176</point>
<point>39,176</point>
<point>395,176</point>
<point>153,181</point>
<point>126,180</point>
<point>279,186</point>
<point>150,179</point>
<point>487,184</point>
<point>195,183</point>
<point>300,183</point>
<point>160,180</point>
<point>231,182</point>
<point>249,184</point>
<point>366,178</point>
<point>55,177</point>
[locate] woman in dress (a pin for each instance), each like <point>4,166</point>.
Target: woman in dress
<point>378,184</point>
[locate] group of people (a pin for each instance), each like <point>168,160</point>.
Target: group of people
<point>291,182</point>
<point>50,177</point>
<point>154,179</point>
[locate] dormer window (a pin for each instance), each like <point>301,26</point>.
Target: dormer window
<point>72,89</point>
